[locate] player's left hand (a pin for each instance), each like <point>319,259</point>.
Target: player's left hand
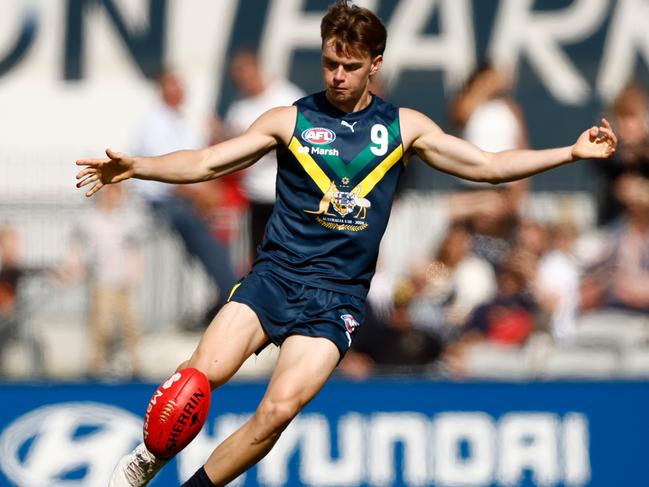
<point>595,143</point>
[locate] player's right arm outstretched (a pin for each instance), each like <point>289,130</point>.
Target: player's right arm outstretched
<point>191,166</point>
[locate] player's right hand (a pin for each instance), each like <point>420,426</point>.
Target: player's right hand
<point>117,167</point>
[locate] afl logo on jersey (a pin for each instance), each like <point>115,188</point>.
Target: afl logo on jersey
<point>319,135</point>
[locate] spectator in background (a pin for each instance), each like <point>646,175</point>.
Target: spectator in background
<point>260,93</point>
<point>630,118</point>
<point>430,304</point>
<point>484,113</point>
<point>395,345</point>
<point>11,272</point>
<point>451,285</point>
<point>556,285</point>
<point>106,252</point>
<point>493,228</point>
<point>164,130</point>
<point>473,279</point>
<point>620,277</point>
<point>508,318</point>
<point>532,238</point>
<point>227,208</point>
<point>11,266</point>
<point>14,305</point>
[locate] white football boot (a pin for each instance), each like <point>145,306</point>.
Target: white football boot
<point>136,469</point>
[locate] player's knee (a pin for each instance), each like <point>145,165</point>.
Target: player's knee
<point>274,416</point>
<point>214,370</point>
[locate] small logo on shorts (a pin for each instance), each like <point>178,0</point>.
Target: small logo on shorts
<point>350,325</point>
<point>350,322</point>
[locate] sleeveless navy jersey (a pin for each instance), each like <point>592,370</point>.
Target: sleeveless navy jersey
<point>335,185</point>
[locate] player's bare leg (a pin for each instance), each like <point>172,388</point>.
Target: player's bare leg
<point>234,335</point>
<point>231,338</point>
<point>303,367</point>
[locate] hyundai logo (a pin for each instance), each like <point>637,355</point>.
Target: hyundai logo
<point>74,444</point>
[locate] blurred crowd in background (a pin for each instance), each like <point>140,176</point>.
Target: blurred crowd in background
<point>499,294</point>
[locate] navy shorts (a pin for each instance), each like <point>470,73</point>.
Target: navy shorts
<point>287,308</point>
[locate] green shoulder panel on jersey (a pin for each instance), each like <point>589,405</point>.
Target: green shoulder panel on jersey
<point>368,183</point>
<point>351,169</point>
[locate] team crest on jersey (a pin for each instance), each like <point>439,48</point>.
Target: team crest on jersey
<point>318,135</point>
<point>344,204</point>
<point>350,322</point>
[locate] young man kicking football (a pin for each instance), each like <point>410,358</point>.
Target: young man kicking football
<point>340,155</point>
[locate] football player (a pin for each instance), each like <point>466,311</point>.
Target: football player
<point>340,155</point>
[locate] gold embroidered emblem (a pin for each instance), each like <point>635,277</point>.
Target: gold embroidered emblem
<point>344,202</point>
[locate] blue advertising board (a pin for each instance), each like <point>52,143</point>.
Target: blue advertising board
<point>380,432</point>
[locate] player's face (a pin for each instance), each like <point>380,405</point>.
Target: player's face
<point>347,76</point>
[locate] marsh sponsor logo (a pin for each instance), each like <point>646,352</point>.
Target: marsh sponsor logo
<point>72,444</point>
<point>471,449</point>
<point>324,152</point>
<point>319,151</point>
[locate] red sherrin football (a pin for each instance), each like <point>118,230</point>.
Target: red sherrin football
<point>176,412</point>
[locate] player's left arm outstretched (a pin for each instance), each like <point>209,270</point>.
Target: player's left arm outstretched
<point>463,159</point>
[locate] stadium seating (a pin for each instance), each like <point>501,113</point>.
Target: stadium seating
<point>635,364</point>
<point>575,363</point>
<point>489,361</point>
